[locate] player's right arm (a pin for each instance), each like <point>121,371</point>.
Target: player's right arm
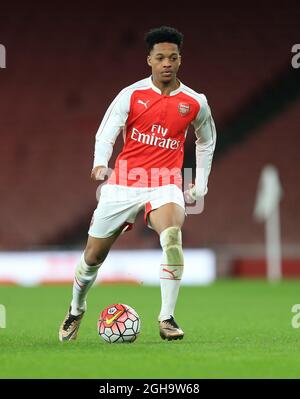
<point>112,124</point>
<point>99,172</point>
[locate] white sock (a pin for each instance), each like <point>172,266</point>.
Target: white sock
<point>171,270</point>
<point>84,278</point>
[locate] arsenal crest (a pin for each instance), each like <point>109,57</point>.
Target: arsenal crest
<point>183,109</point>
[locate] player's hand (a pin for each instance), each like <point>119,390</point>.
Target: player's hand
<point>192,194</point>
<point>99,172</point>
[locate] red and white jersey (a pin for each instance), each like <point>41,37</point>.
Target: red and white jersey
<point>154,129</point>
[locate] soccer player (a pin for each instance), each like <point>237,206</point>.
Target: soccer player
<point>154,115</point>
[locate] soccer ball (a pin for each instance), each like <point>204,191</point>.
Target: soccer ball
<point>119,323</point>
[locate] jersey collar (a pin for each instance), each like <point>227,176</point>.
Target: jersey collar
<point>172,93</point>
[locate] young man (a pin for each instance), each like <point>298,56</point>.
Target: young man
<point>154,115</point>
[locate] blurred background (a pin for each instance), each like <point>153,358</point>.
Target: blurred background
<point>65,63</point>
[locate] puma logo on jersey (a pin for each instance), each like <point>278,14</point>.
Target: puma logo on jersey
<point>143,103</point>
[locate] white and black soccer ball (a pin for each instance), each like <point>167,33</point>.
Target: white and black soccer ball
<point>119,323</point>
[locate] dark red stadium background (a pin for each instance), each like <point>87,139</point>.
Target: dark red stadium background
<point>65,63</point>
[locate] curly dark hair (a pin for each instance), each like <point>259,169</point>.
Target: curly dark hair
<point>163,34</point>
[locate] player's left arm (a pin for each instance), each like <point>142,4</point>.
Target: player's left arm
<point>205,132</point>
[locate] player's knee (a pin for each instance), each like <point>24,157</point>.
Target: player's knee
<point>94,257</point>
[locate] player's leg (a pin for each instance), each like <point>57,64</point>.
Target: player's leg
<point>86,272</point>
<point>167,221</point>
<point>111,217</point>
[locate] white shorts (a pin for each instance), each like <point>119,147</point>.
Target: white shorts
<point>118,206</point>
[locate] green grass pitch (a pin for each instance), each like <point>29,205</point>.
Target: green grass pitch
<point>233,329</point>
